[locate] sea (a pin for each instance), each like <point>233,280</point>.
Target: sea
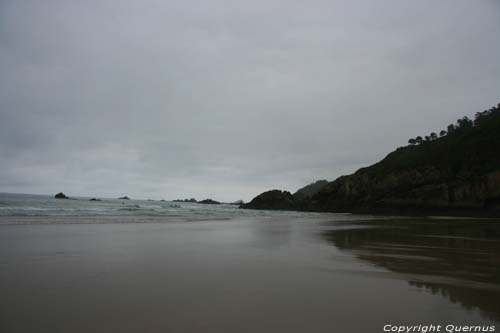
<point>75,265</point>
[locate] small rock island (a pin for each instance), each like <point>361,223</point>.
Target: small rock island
<point>209,202</point>
<point>193,200</point>
<point>61,195</point>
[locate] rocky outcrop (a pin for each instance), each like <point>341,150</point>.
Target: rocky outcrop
<point>274,200</point>
<point>415,191</point>
<point>124,198</point>
<point>193,200</point>
<point>209,202</point>
<point>60,195</point>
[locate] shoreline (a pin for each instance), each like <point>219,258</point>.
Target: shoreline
<point>459,214</point>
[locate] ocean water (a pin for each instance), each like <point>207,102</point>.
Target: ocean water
<point>40,209</point>
<point>154,266</point>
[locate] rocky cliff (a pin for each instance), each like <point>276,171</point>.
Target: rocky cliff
<point>456,173</point>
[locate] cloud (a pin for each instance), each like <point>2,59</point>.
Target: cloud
<point>224,99</point>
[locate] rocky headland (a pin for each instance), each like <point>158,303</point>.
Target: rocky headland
<point>455,172</point>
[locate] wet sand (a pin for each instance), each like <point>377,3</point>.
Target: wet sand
<point>248,275</point>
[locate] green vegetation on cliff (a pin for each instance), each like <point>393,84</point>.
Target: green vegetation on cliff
<point>457,172</point>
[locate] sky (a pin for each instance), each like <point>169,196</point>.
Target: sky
<point>226,99</point>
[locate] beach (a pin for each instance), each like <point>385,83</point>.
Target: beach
<point>242,271</point>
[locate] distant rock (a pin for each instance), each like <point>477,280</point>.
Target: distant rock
<point>124,198</point>
<point>185,200</point>
<point>237,203</point>
<point>60,195</point>
<point>209,201</point>
<point>94,199</point>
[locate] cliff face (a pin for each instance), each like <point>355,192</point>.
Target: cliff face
<point>458,173</point>
<point>423,190</point>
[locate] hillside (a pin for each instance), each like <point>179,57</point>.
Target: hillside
<point>309,190</point>
<point>455,172</point>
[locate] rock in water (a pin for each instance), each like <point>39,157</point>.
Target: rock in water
<point>60,195</point>
<point>209,201</point>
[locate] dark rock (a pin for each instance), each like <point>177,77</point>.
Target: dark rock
<point>209,201</point>
<point>60,195</point>
<point>94,199</point>
<point>124,198</point>
<point>193,200</point>
<point>273,200</point>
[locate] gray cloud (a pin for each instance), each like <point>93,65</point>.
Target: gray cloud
<point>224,99</point>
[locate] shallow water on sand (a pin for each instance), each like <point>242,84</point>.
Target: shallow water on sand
<point>245,271</point>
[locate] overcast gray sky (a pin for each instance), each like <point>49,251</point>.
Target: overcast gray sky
<point>226,99</point>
